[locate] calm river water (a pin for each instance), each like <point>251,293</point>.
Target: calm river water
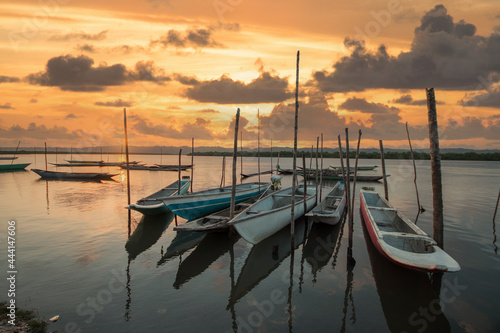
<point>74,258</point>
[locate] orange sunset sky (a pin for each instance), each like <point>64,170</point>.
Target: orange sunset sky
<point>182,68</point>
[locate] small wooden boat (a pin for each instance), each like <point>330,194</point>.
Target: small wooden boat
<point>339,177</point>
<point>400,240</point>
<point>8,158</point>
<point>246,175</point>
<point>194,205</point>
<point>75,164</point>
<point>119,164</point>
<point>56,175</point>
<point>152,204</point>
<point>83,161</point>
<point>173,167</point>
<point>330,210</point>
<point>272,213</point>
<point>360,168</point>
<point>13,167</point>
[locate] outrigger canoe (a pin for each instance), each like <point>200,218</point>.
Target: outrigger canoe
<point>400,240</point>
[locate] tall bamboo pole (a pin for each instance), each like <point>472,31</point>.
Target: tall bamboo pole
<point>437,187</point>
<point>294,176</point>
<point>235,152</point>
<point>316,178</point>
<point>241,157</point>
<point>305,181</point>
<point>128,166</point>
<point>45,156</point>
<point>258,144</point>
<point>321,174</point>
<point>348,192</point>
<point>14,157</point>
<point>382,160</point>
<point>192,163</point>
<point>355,175</point>
<point>179,178</point>
<point>420,208</point>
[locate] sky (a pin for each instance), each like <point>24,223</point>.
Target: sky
<point>181,69</point>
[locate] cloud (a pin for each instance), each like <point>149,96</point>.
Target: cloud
<point>33,100</point>
<point>195,38</point>
<point>8,79</point>
<point>70,116</point>
<point>408,100</point>
<point>115,103</point>
<point>444,55</point>
<point>80,35</point>
<point>78,74</point>
<point>126,49</point>
<point>6,106</point>
<point>267,88</point>
<point>489,98</point>
<point>42,132</point>
<point>208,111</point>
<point>198,129</point>
<point>361,105</point>
<point>86,48</point>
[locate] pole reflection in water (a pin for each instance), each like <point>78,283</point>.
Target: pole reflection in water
<point>290,289</point>
<point>47,195</point>
<point>407,296</point>
<point>146,234</point>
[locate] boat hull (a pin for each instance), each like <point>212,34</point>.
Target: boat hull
<point>202,203</point>
<point>435,260</point>
<point>13,167</point>
<point>321,213</point>
<point>53,175</point>
<point>152,206</point>
<point>255,225</point>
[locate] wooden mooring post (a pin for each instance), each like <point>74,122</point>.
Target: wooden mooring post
<point>437,186</point>
<point>350,211</point>
<point>128,168</point>
<point>235,157</point>
<point>420,208</point>
<point>192,164</point>
<point>382,160</point>
<point>294,176</point>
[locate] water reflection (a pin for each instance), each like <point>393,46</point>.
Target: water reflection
<point>211,247</point>
<point>182,242</point>
<point>321,244</point>
<point>264,258</point>
<point>409,299</point>
<point>147,233</point>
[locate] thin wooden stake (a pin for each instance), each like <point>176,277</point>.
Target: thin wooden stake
<point>192,163</point>
<point>348,192</point>
<point>420,208</point>
<point>341,156</point>
<point>305,181</point>
<point>382,159</point>
<point>311,159</point>
<point>355,174</point>
<point>45,156</point>
<point>316,178</point>
<point>258,144</point>
<point>272,156</point>
<point>161,155</point>
<point>235,152</point>
<point>294,176</point>
<point>241,157</point>
<point>16,153</point>
<point>223,177</point>
<point>179,178</point>
<point>437,187</point>
<point>128,168</point>
<point>278,163</point>
<point>321,174</point>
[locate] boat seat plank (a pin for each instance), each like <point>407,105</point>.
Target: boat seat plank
<point>383,208</point>
<point>334,196</point>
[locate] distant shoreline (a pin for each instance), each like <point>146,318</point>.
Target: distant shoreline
<point>390,155</point>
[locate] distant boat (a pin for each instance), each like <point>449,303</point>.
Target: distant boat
<point>194,205</point>
<point>272,213</point>
<point>13,167</point>
<point>8,158</point>
<point>339,177</point>
<point>400,240</point>
<point>56,175</point>
<point>174,167</point>
<point>360,168</point>
<point>246,175</point>
<point>152,204</point>
<point>330,210</point>
<point>83,161</point>
<point>119,163</point>
<point>75,164</point>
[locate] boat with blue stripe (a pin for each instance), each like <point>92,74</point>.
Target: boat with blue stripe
<point>194,205</point>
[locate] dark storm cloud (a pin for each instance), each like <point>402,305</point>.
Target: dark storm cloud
<point>116,103</point>
<point>86,48</point>
<point>80,35</point>
<point>70,116</point>
<point>443,55</point>
<point>6,106</point>
<point>78,74</point>
<point>8,79</point>
<point>198,129</point>
<point>267,88</point>
<point>362,105</point>
<point>489,98</point>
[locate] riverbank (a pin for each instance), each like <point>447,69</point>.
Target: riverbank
<point>26,321</point>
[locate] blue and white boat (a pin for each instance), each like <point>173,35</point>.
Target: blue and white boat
<point>194,205</point>
<point>153,204</point>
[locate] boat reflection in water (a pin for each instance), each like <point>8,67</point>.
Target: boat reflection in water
<point>211,248</point>
<point>182,242</point>
<point>265,257</point>
<point>410,299</point>
<point>147,233</point>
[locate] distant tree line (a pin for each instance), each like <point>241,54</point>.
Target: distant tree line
<point>390,155</point>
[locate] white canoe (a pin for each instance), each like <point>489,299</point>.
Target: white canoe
<point>400,240</point>
<point>272,213</point>
<point>330,210</point>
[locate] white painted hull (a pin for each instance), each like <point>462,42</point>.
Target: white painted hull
<point>262,220</point>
